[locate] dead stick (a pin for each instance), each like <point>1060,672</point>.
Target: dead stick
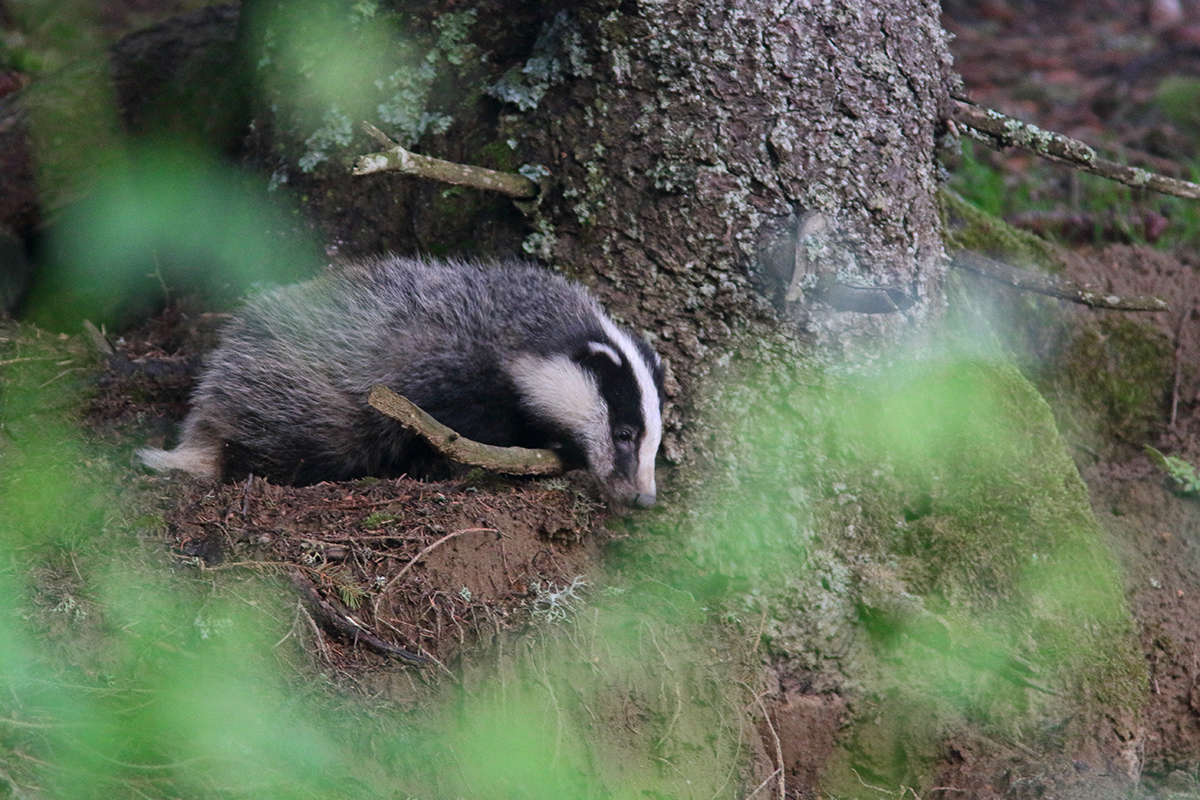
<point>396,578</point>
<point>1003,131</point>
<point>766,780</point>
<point>97,338</point>
<point>397,159</point>
<point>508,460</point>
<point>778,748</point>
<point>1051,285</point>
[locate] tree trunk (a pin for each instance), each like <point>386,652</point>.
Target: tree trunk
<point>689,142</point>
<point>686,149</point>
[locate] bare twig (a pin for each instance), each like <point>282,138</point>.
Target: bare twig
<point>1002,131</point>
<point>24,359</point>
<point>778,748</point>
<point>396,578</point>
<point>1051,285</point>
<point>396,159</point>
<point>386,141</point>
<point>1178,363</point>
<point>508,460</point>
<point>766,780</point>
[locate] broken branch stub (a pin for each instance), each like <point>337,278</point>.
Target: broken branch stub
<point>396,159</point>
<point>506,460</point>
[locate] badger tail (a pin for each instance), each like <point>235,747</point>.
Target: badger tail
<point>197,460</point>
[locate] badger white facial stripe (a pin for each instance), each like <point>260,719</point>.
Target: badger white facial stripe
<point>651,413</point>
<point>558,387</point>
<point>600,347</point>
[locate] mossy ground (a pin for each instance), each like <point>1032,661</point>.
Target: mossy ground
<point>920,540</point>
<point>911,540</point>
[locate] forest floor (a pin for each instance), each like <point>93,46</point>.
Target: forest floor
<point>1100,72</point>
<point>399,573</point>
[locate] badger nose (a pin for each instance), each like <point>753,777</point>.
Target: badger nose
<point>645,499</point>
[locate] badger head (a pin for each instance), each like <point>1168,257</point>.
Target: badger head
<point>603,397</point>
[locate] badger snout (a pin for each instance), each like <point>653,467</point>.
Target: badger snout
<point>629,491</point>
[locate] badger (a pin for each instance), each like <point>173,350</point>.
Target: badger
<point>505,353</point>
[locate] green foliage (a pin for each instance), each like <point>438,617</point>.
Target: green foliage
<point>1184,474</point>
<point>922,528</point>
<point>51,33</point>
<point>326,67</point>
<point>1179,98</point>
<point>162,221</point>
<point>984,185</point>
<point>1043,187</point>
<point>122,677</point>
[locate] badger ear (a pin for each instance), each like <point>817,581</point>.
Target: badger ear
<point>601,350</point>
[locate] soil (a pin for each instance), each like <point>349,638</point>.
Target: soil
<point>1156,530</point>
<point>476,555</point>
<point>435,571</point>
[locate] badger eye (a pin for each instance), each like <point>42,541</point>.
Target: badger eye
<point>623,435</point>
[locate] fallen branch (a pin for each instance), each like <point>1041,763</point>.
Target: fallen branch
<point>1052,285</point>
<point>1000,131</point>
<point>507,460</point>
<point>336,618</point>
<point>766,780</point>
<point>396,159</point>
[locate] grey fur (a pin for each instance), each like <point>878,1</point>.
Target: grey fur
<point>507,354</point>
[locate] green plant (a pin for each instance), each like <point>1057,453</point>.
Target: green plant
<point>1183,473</point>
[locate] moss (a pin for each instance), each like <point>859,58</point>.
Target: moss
<point>498,156</point>
<point>1108,379</point>
<point>970,228</point>
<point>453,208</point>
<point>378,519</point>
<point>1117,377</point>
<point>920,537</point>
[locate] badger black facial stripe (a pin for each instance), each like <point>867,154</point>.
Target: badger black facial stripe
<point>649,405</point>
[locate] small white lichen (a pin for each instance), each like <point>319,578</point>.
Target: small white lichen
<point>554,605</point>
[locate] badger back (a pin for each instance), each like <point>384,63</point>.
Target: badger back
<point>515,355</point>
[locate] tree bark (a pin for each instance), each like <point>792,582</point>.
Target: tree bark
<point>711,169</point>
<point>690,140</point>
